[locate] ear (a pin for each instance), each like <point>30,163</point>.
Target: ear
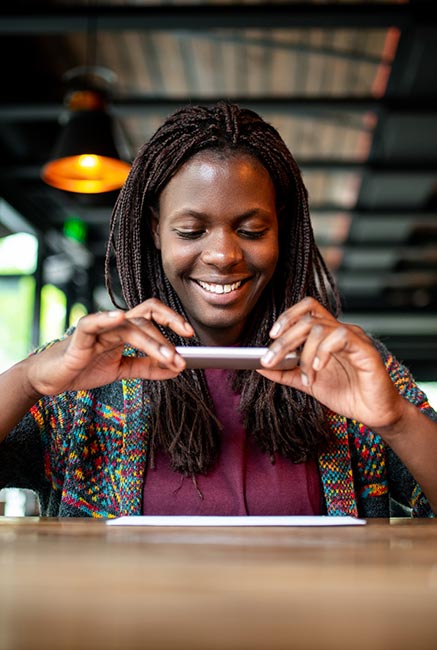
<point>154,224</point>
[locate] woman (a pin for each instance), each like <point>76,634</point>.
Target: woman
<point>213,245</point>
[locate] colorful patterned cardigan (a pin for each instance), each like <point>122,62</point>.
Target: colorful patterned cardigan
<point>85,454</point>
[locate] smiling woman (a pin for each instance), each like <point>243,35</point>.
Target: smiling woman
<point>217,196</point>
<point>211,243</point>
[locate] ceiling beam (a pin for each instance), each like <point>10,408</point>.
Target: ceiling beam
<point>37,109</point>
<point>50,20</point>
<point>32,172</point>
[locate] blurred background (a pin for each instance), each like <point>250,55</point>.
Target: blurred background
<point>351,86</point>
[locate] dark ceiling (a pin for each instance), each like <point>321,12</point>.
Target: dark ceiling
<point>352,87</point>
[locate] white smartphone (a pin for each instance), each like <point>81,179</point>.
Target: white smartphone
<point>233,358</point>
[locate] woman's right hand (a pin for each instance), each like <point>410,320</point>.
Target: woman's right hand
<point>93,355</point>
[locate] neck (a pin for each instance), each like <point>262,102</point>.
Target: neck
<point>222,337</point>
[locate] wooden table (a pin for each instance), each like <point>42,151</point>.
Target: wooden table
<point>76,583</point>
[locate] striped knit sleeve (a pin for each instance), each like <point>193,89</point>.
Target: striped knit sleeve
<point>24,453</point>
<point>403,488</point>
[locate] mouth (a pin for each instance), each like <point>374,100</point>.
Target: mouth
<point>217,288</point>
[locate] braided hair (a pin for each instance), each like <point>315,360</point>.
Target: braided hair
<point>281,419</point>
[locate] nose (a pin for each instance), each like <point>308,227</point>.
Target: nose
<point>222,250</point>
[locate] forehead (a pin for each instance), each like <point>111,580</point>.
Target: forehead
<point>218,186</point>
<point>211,166</point>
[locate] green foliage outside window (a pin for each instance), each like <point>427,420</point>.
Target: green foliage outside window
<point>53,313</point>
<point>16,309</point>
<point>18,254</point>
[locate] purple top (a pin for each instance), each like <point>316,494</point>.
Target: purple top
<point>243,481</point>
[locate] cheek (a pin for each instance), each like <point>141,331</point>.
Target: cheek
<point>268,258</point>
<point>176,259</point>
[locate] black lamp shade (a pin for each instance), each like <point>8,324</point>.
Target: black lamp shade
<point>85,158</point>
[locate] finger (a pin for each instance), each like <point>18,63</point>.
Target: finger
<point>112,330</point>
<point>145,368</point>
<point>145,337</point>
<point>155,310</point>
<point>291,378</point>
<point>308,307</point>
<point>360,333</point>
<point>324,339</point>
<point>291,339</point>
<point>309,361</point>
<point>356,344</point>
<point>88,327</point>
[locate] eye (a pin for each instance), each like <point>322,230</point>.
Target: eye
<point>252,234</point>
<point>189,234</point>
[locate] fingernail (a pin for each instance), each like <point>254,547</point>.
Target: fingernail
<point>275,329</point>
<point>114,313</point>
<point>267,358</point>
<point>165,352</point>
<point>316,363</point>
<point>179,362</point>
<point>304,379</point>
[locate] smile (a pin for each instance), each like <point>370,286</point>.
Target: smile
<point>220,288</point>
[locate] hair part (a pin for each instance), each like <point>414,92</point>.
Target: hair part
<point>281,420</point>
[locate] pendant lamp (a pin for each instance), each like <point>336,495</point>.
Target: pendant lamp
<point>86,158</point>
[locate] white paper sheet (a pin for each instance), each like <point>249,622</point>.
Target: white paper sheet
<point>233,521</point>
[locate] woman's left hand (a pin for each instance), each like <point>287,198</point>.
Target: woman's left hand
<point>339,365</point>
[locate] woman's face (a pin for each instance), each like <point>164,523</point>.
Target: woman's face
<point>218,235</point>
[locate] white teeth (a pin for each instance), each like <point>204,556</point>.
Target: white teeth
<point>220,288</point>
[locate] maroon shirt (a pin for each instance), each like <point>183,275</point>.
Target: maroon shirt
<point>243,481</point>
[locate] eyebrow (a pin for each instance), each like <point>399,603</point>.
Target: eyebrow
<point>254,212</point>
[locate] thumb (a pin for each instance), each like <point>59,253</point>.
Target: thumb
<point>292,378</point>
<point>144,368</point>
